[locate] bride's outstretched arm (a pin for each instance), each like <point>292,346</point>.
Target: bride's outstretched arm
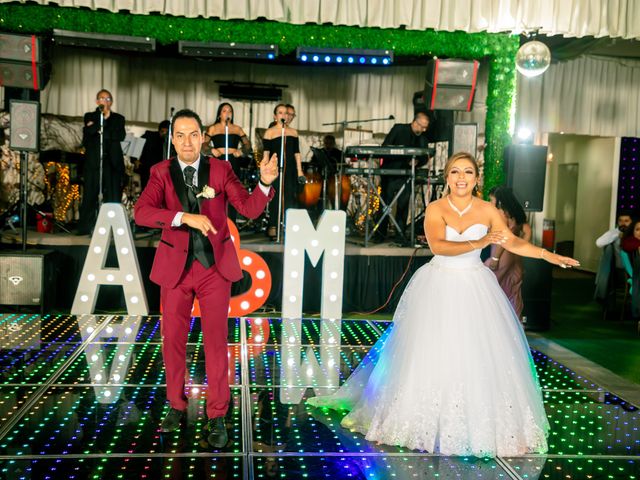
<point>523,248</point>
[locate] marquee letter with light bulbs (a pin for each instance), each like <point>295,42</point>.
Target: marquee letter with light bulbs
<point>112,221</point>
<point>328,239</point>
<point>252,263</point>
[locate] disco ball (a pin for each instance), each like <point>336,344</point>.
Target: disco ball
<point>533,58</point>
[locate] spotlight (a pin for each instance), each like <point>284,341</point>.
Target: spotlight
<point>228,50</point>
<point>524,133</point>
<point>345,55</point>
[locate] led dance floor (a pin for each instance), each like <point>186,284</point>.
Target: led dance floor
<point>82,398</point>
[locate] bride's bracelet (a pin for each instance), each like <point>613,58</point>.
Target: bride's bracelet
<point>542,250</point>
<point>472,247</point>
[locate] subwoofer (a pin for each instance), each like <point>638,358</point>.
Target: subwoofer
<point>27,278</point>
<point>525,171</point>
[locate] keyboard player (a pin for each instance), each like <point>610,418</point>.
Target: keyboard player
<point>412,135</point>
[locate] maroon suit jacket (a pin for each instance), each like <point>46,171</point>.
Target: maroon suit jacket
<point>165,195</point>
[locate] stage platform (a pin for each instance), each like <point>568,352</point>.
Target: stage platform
<point>372,275</point>
<point>82,398</point>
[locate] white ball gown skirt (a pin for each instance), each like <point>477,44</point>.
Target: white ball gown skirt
<point>453,374</point>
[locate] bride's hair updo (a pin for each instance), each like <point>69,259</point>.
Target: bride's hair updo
<point>458,156</point>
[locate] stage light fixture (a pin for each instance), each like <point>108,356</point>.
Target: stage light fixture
<point>228,50</point>
<point>344,55</point>
<point>100,40</point>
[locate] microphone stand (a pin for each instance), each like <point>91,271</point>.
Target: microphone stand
<point>226,140</point>
<point>170,133</point>
<point>338,179</point>
<point>281,182</point>
<point>101,133</point>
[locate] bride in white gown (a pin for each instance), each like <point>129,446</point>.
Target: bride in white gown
<point>453,374</point>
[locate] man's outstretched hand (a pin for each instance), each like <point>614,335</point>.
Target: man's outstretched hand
<point>269,170</point>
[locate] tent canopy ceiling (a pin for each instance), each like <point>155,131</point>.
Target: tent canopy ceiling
<point>569,18</point>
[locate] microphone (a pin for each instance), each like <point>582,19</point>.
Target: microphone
<point>100,108</point>
<point>226,121</point>
<point>391,117</point>
<point>282,121</point>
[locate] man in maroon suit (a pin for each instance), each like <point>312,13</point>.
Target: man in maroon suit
<point>187,198</point>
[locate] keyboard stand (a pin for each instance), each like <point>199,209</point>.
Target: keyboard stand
<point>411,183</point>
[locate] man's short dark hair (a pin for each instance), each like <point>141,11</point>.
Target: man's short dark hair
<point>104,90</point>
<point>186,113</point>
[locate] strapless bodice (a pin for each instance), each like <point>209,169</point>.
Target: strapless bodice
<point>472,258</point>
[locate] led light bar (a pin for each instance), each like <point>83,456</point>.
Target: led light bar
<point>228,50</point>
<point>344,56</point>
<point>101,40</point>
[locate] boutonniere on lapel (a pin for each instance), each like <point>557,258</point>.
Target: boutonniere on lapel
<point>207,192</point>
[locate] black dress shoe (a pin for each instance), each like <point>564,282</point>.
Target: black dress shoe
<point>217,432</point>
<point>172,420</point>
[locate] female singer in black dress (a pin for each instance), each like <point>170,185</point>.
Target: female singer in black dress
<point>292,174</point>
<point>232,145</point>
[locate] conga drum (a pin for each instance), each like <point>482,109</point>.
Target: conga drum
<point>311,190</point>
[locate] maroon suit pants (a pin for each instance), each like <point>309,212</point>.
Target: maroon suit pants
<point>213,292</point>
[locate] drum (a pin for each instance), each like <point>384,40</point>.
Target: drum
<point>345,190</point>
<point>311,190</point>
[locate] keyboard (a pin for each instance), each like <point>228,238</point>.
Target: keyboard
<point>421,173</point>
<point>389,151</point>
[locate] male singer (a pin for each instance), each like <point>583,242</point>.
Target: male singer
<point>112,160</point>
<point>187,198</point>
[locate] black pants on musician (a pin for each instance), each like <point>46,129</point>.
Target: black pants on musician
<point>390,186</point>
<point>111,192</point>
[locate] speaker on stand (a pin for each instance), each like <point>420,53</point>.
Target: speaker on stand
<point>24,137</point>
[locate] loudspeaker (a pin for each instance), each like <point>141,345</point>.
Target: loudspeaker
<point>525,170</point>
<point>536,294</point>
<point>23,74</point>
<point>21,48</point>
<point>25,126</point>
<point>451,84</point>
<point>27,278</point>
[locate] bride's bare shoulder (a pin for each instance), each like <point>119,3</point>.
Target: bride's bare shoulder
<point>437,206</point>
<point>483,204</point>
